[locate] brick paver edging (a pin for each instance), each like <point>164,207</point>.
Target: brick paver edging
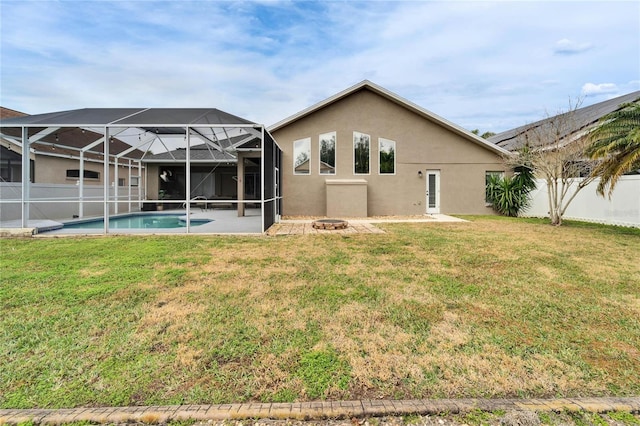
<point>311,410</point>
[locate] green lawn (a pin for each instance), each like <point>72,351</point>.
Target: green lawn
<point>497,307</point>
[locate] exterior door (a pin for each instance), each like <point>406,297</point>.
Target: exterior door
<point>433,191</point>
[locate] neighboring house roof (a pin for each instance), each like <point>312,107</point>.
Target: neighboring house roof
<point>303,167</point>
<point>368,85</point>
<point>69,142</point>
<point>579,119</point>
<point>10,113</point>
<point>325,167</point>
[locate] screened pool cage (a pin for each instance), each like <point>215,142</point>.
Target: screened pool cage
<point>153,170</point>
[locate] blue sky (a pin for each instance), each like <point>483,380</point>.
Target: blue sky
<point>491,65</point>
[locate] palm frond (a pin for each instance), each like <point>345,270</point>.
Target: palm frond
<point>616,140</point>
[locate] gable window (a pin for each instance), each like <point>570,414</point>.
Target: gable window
<point>387,153</point>
<point>88,174</point>
<point>302,157</point>
<point>487,179</point>
<point>328,153</point>
<point>361,153</point>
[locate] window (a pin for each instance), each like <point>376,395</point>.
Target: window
<point>11,166</point>
<point>487,178</point>
<point>302,156</point>
<point>135,180</point>
<point>328,153</point>
<point>121,182</point>
<point>361,153</point>
<point>387,153</point>
<point>576,168</point>
<point>88,174</point>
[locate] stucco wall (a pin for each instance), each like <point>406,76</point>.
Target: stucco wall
<point>421,144</point>
<point>54,170</point>
<point>346,197</point>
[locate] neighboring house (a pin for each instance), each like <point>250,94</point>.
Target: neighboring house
<point>368,152</point>
<point>558,147</point>
<point>571,125</point>
<point>55,157</point>
<point>59,156</point>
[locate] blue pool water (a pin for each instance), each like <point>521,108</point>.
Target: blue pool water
<point>155,221</point>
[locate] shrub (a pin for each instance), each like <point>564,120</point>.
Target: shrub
<point>510,195</point>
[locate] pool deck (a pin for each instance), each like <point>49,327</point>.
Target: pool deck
<point>223,221</point>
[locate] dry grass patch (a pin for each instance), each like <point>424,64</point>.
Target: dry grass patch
<point>495,307</point>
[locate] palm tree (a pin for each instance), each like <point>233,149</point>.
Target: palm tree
<point>616,141</point>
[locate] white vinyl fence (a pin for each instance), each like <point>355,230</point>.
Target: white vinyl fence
<point>622,209</point>
<point>59,201</point>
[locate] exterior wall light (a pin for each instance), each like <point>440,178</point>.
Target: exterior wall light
<point>420,174</point>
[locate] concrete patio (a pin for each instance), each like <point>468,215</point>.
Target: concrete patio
<point>303,226</point>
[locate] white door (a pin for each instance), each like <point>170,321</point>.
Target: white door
<point>433,191</point>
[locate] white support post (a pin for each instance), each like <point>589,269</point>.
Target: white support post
<point>240,183</point>
<point>106,180</point>
<point>81,186</point>
<point>129,186</point>
<point>146,179</point>
<point>140,195</point>
<point>26,177</point>
<point>188,183</point>
<point>115,183</point>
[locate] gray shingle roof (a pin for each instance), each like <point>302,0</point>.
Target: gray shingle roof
<point>581,118</point>
<point>135,117</point>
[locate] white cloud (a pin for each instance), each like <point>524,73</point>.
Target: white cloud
<point>569,47</point>
<point>590,89</point>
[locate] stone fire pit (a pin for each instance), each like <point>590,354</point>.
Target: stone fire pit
<point>330,224</point>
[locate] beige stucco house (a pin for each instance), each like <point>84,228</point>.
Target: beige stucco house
<point>368,152</point>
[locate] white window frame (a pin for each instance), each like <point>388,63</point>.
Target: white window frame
<point>380,142</point>
<point>335,152</point>
<point>308,150</point>
<point>95,179</point>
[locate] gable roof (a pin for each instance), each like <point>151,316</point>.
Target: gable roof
<point>368,85</point>
<point>580,119</point>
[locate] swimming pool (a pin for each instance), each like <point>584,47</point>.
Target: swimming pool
<point>139,221</point>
